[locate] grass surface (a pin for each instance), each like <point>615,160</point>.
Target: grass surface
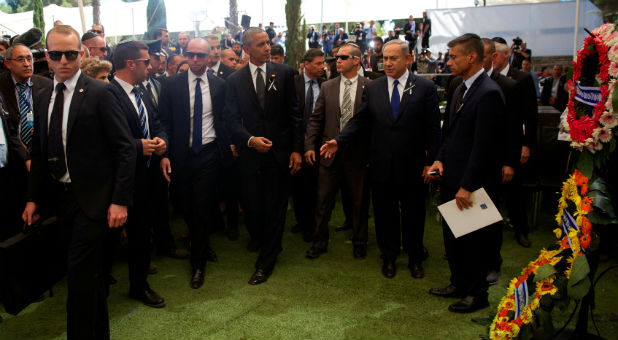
<point>333,297</point>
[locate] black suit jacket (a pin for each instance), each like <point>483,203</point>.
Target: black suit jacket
<point>17,153</point>
<point>175,117</point>
<point>401,145</point>
<point>7,88</point>
<point>224,71</point>
<point>100,154</point>
<point>529,109</point>
<point>470,152</point>
<point>279,121</point>
<point>340,39</point>
<point>562,98</point>
<point>299,84</point>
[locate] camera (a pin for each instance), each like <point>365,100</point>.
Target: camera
<point>517,42</point>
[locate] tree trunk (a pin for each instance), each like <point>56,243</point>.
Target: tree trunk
<point>234,12</point>
<point>296,35</point>
<point>96,12</point>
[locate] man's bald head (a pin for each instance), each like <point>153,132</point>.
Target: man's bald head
<point>96,46</point>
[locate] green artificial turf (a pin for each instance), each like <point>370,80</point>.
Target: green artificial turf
<point>333,297</point>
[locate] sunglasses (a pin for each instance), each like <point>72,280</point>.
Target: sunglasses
<point>346,57</point>
<point>96,31</point>
<point>146,61</point>
<point>191,55</point>
<point>57,55</point>
<point>102,49</point>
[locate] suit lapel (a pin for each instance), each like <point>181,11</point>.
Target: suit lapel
<point>386,102</point>
<point>10,100</point>
<point>79,92</point>
<point>360,87</point>
<point>43,104</point>
<point>408,91</point>
<point>212,90</point>
<point>127,105</point>
<point>469,94</point>
<point>250,88</point>
<point>270,78</point>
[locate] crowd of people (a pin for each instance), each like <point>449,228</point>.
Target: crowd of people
<point>106,138</point>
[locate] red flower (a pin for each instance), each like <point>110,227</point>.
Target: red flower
<point>584,240</point>
<point>586,204</point>
<point>586,226</point>
<point>564,243</point>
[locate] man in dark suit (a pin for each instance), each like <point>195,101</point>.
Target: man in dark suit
<point>529,116</point>
<point>338,101</point>
<point>340,37</point>
<point>426,31</point>
<point>215,67</point>
<point>304,182</point>
<point>131,63</point>
<point>191,110</point>
<point>553,90</point>
<point>313,38</point>
<point>410,33</point>
<point>469,160</point>
<point>152,85</point>
<point>83,166</point>
<point>19,87</point>
<point>261,111</point>
<point>405,136</point>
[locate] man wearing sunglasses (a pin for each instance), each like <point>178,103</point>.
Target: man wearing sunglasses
<point>83,166</point>
<point>400,114</point>
<point>191,108</point>
<point>157,57</point>
<point>261,112</point>
<point>95,44</point>
<point>215,66</point>
<point>99,30</point>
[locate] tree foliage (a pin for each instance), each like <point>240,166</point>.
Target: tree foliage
<point>296,35</point>
<point>37,15</point>
<point>156,16</point>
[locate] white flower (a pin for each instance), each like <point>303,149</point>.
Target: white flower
<point>604,135</point>
<point>608,119</point>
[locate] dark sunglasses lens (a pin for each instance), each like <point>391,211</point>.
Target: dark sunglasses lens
<point>191,55</point>
<point>147,62</point>
<point>57,55</point>
<point>71,55</point>
<point>343,57</point>
<point>102,49</point>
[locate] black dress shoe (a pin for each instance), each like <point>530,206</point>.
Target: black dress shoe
<point>153,269</point>
<point>179,254</point>
<point>197,279</point>
<point>523,240</point>
<point>232,234</point>
<point>344,227</point>
<point>260,276</point>
<point>416,270</point>
<point>360,251</point>
<point>211,255</point>
<point>150,298</point>
<point>388,269</point>
<point>253,246</point>
<point>448,291</point>
<point>315,251</point>
<point>469,304</point>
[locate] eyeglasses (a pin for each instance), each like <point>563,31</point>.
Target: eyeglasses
<point>215,47</point>
<point>22,59</point>
<point>146,61</point>
<point>96,31</point>
<point>57,55</point>
<point>192,55</point>
<point>346,57</point>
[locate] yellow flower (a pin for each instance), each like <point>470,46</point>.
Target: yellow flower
<point>558,232</point>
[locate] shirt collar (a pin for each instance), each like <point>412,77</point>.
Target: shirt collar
<point>71,82</point>
<point>505,70</point>
<point>193,77</point>
<point>491,70</point>
<point>128,88</point>
<point>402,80</point>
<point>307,79</point>
<point>28,82</point>
<point>253,67</point>
<point>353,80</point>
<point>471,80</point>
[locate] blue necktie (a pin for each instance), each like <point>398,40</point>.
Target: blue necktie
<point>196,146</point>
<point>26,125</point>
<point>142,117</point>
<point>395,100</point>
<point>211,71</point>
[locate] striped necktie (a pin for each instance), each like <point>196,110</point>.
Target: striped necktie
<point>346,106</point>
<point>142,117</point>
<point>25,123</point>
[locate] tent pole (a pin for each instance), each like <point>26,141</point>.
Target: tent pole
<point>80,3</point>
<point>576,31</point>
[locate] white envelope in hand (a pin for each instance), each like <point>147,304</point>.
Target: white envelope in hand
<point>482,213</point>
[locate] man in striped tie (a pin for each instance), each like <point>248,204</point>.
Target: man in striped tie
<point>132,63</point>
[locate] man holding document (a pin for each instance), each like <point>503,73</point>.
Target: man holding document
<point>467,161</point>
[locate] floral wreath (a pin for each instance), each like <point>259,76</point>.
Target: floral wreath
<point>591,132</point>
<point>575,189</point>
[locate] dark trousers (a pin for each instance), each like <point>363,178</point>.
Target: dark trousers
<point>469,255</point>
<point>516,203</point>
<point>399,208</point>
<point>161,229</point>
<point>13,185</point>
<point>87,316</point>
<point>354,178</point>
<point>425,41</point>
<point>197,184</point>
<point>229,188</point>
<point>303,184</point>
<point>265,200</point>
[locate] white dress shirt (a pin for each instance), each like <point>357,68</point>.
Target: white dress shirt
<point>208,121</point>
<point>316,88</point>
<point>215,68</point>
<point>352,89</point>
<point>128,88</point>
<point>505,70</point>
<point>400,87</point>
<point>471,80</point>
<point>68,95</point>
<point>253,68</point>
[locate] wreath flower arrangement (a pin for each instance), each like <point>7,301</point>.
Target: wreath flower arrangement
<point>590,131</point>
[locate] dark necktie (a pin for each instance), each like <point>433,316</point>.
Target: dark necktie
<point>142,117</point>
<point>260,87</point>
<point>460,95</point>
<point>309,100</point>
<point>25,124</point>
<point>211,71</point>
<point>149,88</point>
<point>197,119</point>
<point>55,149</point>
<point>395,100</point>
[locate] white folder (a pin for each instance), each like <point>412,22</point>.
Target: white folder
<point>482,213</point>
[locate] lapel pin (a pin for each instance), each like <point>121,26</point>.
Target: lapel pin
<point>409,89</point>
<point>81,90</point>
<point>220,72</point>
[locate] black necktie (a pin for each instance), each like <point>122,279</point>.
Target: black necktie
<point>309,100</point>
<point>149,88</point>
<point>260,88</point>
<point>197,119</point>
<point>55,149</point>
<point>460,95</point>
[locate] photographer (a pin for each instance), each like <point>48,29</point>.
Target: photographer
<point>519,53</point>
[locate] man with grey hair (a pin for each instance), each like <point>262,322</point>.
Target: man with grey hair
<point>191,112</point>
<point>261,110</point>
<point>404,138</point>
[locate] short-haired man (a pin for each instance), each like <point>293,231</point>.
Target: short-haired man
<point>426,31</point>
<point>469,159</point>
<point>377,60</point>
<point>409,30</point>
<point>271,31</point>
<point>83,166</point>
<point>215,67</point>
<point>95,44</point>
<point>403,142</point>
<point>100,31</point>
<point>229,58</point>
<point>261,111</point>
<point>157,65</point>
<point>181,45</point>
<point>277,55</point>
<point>553,89</point>
<point>172,64</point>
<point>237,48</point>
<point>163,35</point>
<point>339,99</point>
<point>131,63</point>
<point>191,112</point>
<point>304,182</point>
